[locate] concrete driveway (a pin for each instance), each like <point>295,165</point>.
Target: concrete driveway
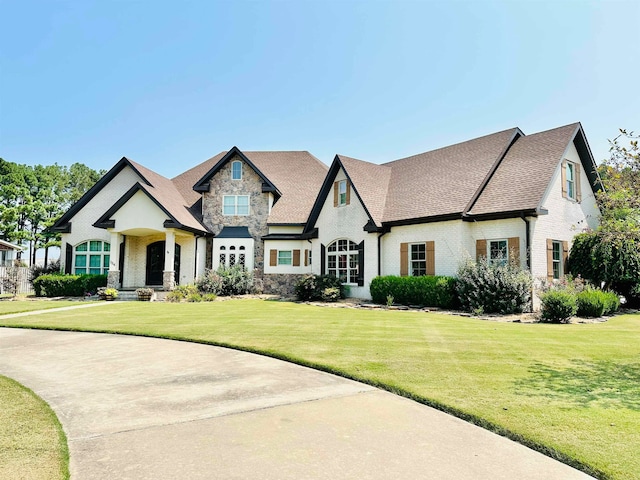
<point>143,408</point>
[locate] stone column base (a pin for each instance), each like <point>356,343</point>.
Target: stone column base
<point>168,280</point>
<point>113,279</point>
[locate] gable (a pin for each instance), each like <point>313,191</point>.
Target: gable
<point>137,214</point>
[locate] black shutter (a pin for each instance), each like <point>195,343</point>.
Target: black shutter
<point>322,259</point>
<point>121,262</point>
<point>361,264</point>
<point>68,259</point>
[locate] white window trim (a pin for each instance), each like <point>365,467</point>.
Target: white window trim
<point>571,192</point>
<point>342,183</point>
<point>290,252</point>
<point>410,255</point>
<point>349,280</point>
<point>236,162</point>
<point>235,206</point>
<point>501,260</point>
<point>88,253</point>
<point>559,262</point>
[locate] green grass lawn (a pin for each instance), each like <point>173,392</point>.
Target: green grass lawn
<point>571,391</point>
<point>32,443</point>
<point>18,306</point>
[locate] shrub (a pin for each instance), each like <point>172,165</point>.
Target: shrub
<point>558,306</point>
<point>209,297</point>
<point>320,287</point>
<point>430,291</point>
<point>612,302</point>
<point>174,297</point>
<point>58,285</point>
<point>234,280</point>
<point>194,297</point>
<point>493,288</point>
<point>590,303</point>
<point>39,270</point>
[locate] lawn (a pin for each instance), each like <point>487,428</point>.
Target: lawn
<point>32,443</point>
<point>571,391</point>
<point>19,306</point>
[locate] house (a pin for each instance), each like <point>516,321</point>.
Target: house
<point>8,253</point>
<point>284,214</point>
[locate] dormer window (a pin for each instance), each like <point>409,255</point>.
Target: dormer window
<point>571,180</point>
<point>236,170</point>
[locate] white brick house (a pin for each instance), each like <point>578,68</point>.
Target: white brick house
<point>283,214</point>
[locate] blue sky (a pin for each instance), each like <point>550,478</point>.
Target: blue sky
<point>170,84</point>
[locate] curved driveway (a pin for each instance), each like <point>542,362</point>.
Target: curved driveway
<point>143,408</point>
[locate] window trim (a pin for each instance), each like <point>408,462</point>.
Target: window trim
<point>351,257</point>
<point>87,253</point>
<point>412,268</point>
<point>570,183</point>
<point>281,258</point>
<point>342,183</point>
<point>556,262</point>
<point>236,205</point>
<point>500,261</point>
<point>233,164</point>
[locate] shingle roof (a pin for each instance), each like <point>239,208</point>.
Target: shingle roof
<point>442,181</point>
<point>371,183</point>
<point>523,176</point>
<point>168,195</point>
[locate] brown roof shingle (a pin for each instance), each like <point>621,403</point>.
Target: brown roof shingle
<point>522,178</point>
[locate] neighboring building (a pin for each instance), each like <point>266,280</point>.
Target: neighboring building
<point>284,215</point>
<point>8,253</point>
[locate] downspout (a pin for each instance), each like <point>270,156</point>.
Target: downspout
<point>379,251</point>
<point>527,240</point>
<point>195,259</point>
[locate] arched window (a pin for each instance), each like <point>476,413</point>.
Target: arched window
<point>236,170</point>
<point>91,257</point>
<point>342,260</point>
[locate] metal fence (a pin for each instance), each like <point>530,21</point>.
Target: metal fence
<point>19,275</point>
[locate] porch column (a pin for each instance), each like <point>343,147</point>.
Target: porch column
<point>113,277</point>
<point>168,275</point>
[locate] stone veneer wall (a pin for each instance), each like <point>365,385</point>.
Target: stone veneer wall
<point>281,283</point>
<point>251,184</point>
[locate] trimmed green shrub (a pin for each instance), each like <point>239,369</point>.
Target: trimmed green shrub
<point>429,291</point>
<point>209,297</point>
<point>558,306</point>
<point>590,303</point>
<point>493,288</point>
<point>39,270</point>
<point>194,298</point>
<point>234,280</point>
<point>58,285</point>
<point>326,288</point>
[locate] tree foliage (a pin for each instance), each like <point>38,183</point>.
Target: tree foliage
<point>611,254</point>
<point>32,198</point>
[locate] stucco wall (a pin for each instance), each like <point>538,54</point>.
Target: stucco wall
<point>256,221</point>
<point>81,223</point>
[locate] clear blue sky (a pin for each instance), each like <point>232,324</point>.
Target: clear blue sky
<point>170,84</point>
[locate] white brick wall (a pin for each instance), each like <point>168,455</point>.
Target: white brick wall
<point>347,222</point>
<point>566,217</point>
<point>287,245</point>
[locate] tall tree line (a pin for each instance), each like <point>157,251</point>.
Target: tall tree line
<point>32,198</point>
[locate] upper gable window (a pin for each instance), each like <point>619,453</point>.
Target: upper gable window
<point>571,180</point>
<point>236,170</point>
<point>341,193</point>
<point>235,205</point>
<point>570,172</point>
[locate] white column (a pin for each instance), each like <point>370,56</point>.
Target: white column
<point>170,247</point>
<point>114,255</point>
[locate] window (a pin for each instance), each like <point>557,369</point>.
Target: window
<point>342,192</point>
<point>236,170</point>
<point>343,260</point>
<point>570,180</point>
<point>92,257</point>
<point>235,205</point>
<point>498,252</point>
<point>284,257</point>
<point>418,259</point>
<point>309,257</point>
<point>557,260</point>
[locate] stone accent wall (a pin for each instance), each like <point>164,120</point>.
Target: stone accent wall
<point>281,283</point>
<point>256,221</point>
<point>113,279</point>
<point>168,280</point>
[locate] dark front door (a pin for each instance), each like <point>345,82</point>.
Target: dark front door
<point>155,263</point>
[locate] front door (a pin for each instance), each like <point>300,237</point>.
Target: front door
<point>155,263</point>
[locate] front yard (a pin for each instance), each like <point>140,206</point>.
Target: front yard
<point>571,391</point>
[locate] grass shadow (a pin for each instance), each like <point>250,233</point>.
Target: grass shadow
<point>603,383</point>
